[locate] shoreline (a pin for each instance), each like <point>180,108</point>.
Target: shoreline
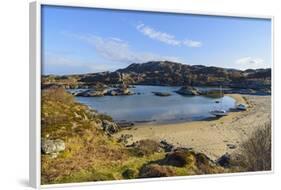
<point>211,137</point>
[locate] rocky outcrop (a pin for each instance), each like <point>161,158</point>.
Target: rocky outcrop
<point>52,146</point>
<point>109,127</point>
<point>119,92</point>
<point>188,91</point>
<point>146,147</point>
<point>125,138</point>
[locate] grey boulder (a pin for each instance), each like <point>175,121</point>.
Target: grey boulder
<point>52,146</point>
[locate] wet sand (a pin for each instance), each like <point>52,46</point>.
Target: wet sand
<point>212,137</point>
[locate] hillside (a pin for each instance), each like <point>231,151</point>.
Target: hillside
<point>172,74</point>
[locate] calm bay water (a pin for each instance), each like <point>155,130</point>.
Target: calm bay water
<point>146,107</point>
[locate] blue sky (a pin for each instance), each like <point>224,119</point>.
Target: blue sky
<point>80,40</point>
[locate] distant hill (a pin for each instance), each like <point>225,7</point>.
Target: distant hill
<point>177,74</point>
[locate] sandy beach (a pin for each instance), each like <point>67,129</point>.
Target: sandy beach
<point>213,137</point>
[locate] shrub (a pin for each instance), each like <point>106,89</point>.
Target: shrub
<point>179,158</point>
<point>146,147</point>
<point>155,170</point>
<point>202,159</point>
<point>256,151</point>
<point>57,94</point>
<point>130,173</point>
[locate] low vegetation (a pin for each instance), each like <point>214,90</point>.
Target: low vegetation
<point>256,152</point>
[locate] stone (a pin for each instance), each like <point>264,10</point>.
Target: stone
<point>166,146</point>
<point>231,146</point>
<point>52,146</point>
<point>146,147</point>
<point>125,138</point>
<point>224,160</point>
<point>109,127</point>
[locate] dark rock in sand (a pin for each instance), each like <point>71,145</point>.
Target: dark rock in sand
<point>231,146</point>
<point>224,160</point>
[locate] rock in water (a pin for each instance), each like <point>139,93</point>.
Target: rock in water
<point>52,146</point>
<point>188,91</point>
<point>161,93</point>
<point>92,93</point>
<point>109,127</point>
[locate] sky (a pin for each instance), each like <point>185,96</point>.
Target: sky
<point>86,40</point>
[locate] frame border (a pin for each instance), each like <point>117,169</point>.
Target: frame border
<point>35,88</point>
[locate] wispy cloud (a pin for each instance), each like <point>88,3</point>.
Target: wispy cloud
<point>115,49</point>
<point>250,62</point>
<point>157,35</point>
<point>192,43</point>
<point>165,37</point>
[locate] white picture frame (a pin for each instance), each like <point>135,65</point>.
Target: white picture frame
<point>35,89</point>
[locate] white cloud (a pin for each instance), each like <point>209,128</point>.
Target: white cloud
<point>165,37</point>
<point>157,35</point>
<point>250,63</point>
<point>192,43</point>
<point>115,49</point>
